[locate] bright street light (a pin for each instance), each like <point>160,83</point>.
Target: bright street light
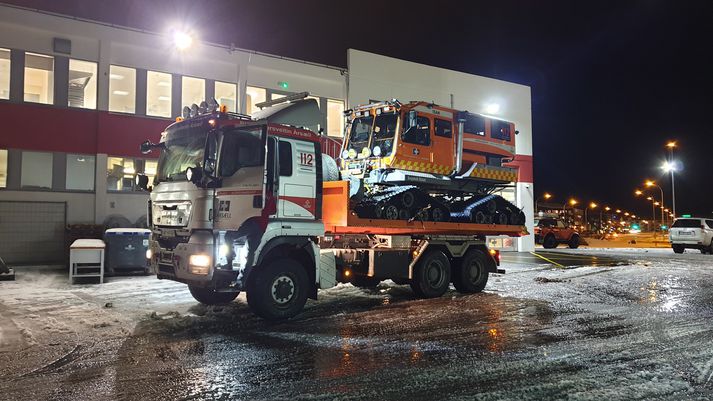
<point>638,192</point>
<point>670,167</point>
<point>547,196</point>
<point>182,40</point>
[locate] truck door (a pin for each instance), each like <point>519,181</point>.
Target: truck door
<point>241,166</point>
<point>298,174</point>
<point>415,148</point>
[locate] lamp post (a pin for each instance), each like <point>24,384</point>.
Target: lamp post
<point>572,202</point>
<point>650,183</point>
<point>671,167</point>
<point>592,205</point>
<point>545,196</point>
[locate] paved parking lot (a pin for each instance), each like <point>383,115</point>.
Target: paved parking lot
<point>638,330</point>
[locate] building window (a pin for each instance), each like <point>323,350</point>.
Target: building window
<point>122,89</point>
<point>254,96</point>
<point>121,172</point>
<point>36,170</point>
<point>39,78</point>
<point>158,94</point>
<point>80,172</point>
<point>335,118</point>
<point>3,168</point>
<point>4,74</point>
<point>192,91</point>
<point>82,90</point>
<point>225,94</point>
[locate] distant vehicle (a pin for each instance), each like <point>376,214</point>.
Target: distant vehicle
<point>551,232</point>
<point>692,233</point>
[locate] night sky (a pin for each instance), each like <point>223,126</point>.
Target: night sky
<point>612,81</point>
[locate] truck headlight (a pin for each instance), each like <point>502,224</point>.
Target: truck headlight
<point>149,254</point>
<point>199,264</point>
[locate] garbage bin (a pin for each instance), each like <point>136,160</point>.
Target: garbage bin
<point>126,250</point>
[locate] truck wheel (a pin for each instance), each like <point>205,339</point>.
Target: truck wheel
<point>549,242</point>
<point>439,214</point>
<point>391,212</point>
<point>365,282</point>
<point>279,290</point>
<point>678,248</point>
<point>574,242</point>
<point>431,275</point>
<point>472,274</point>
<point>209,297</point>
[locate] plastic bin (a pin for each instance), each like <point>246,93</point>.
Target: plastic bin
<point>126,250</point>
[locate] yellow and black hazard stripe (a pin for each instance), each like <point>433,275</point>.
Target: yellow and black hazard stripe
<point>504,175</point>
<point>423,167</point>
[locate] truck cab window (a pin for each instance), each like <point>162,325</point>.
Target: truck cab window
<point>474,125</point>
<point>285,159</point>
<point>420,134</point>
<point>443,128</point>
<point>243,149</point>
<point>500,130</point>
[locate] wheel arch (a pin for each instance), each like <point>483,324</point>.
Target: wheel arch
<point>298,249</point>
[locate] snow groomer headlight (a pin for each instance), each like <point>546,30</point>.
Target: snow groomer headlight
<point>365,152</point>
<point>199,264</point>
<point>352,154</point>
<point>377,151</point>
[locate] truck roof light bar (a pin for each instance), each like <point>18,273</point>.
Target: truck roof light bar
<point>289,98</point>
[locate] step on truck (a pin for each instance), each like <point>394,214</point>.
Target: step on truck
<point>250,203</point>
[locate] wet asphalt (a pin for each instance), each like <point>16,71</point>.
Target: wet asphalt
<point>604,326</point>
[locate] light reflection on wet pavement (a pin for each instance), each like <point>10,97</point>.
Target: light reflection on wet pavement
<point>641,331</point>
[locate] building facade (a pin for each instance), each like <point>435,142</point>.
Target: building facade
<point>77,98</point>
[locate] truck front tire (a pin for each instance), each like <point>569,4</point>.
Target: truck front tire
<point>471,275</point>
<point>209,297</point>
<point>278,290</point>
<point>431,275</point>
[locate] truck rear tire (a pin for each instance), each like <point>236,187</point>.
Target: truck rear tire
<point>278,290</point>
<point>431,275</point>
<point>209,297</point>
<point>471,275</point>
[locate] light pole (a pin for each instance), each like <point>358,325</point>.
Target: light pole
<point>572,202</point>
<point>546,196</point>
<point>671,166</point>
<point>592,205</point>
<point>650,183</point>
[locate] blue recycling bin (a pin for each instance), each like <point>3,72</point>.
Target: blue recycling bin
<point>126,250</point>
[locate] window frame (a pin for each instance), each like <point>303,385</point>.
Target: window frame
<point>9,72</point>
<point>436,120</point>
<point>24,78</point>
<point>66,173</point>
<point>136,90</point>
<point>285,171</point>
<point>96,91</point>
<point>428,135</point>
<point>137,170</point>
<point>51,171</point>
<point>170,97</point>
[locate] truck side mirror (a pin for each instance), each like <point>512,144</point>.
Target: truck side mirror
<point>142,182</point>
<point>211,155</point>
<point>412,118</point>
<point>146,147</point>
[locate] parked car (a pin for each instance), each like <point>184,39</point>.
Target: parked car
<point>551,232</point>
<point>692,233</point>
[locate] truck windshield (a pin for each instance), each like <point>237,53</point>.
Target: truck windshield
<point>183,148</point>
<point>381,131</point>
